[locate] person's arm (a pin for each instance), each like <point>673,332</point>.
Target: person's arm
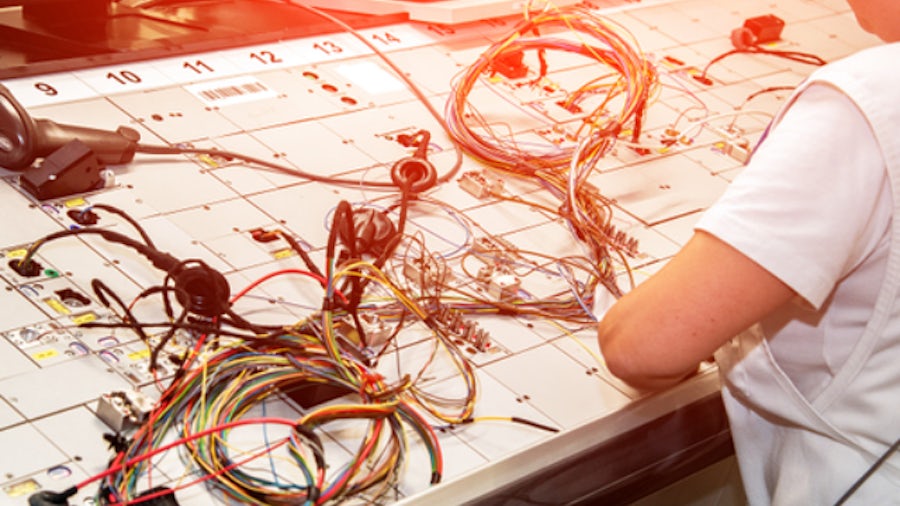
<point>709,292</point>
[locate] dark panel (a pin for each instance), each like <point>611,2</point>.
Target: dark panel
<point>632,465</point>
<point>54,35</point>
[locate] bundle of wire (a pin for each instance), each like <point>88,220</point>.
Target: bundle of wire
<point>432,278</point>
<point>627,77</point>
<point>211,401</point>
<point>225,378</point>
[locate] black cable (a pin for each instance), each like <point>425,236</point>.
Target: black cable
<point>198,287</point>
<point>185,326</point>
<point>163,341</point>
<point>159,259</point>
<point>295,245</point>
<point>122,214</point>
<point>175,150</point>
<point>101,290</point>
<point>520,420</point>
<point>869,472</point>
<point>343,228</point>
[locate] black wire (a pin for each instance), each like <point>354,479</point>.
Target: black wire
<point>310,265</point>
<point>186,326</point>
<point>534,424</point>
<point>344,228</point>
<point>175,150</point>
<point>869,472</point>
<point>156,350</point>
<point>101,290</point>
<point>770,89</point>
<point>137,226</point>
<point>159,259</point>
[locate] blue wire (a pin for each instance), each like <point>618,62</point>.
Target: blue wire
<point>581,302</point>
<point>266,443</point>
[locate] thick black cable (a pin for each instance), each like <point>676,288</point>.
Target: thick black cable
<point>187,326</point>
<point>163,341</point>
<point>159,259</point>
<point>125,216</point>
<point>295,245</point>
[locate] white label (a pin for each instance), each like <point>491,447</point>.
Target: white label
<point>124,78</point>
<point>325,48</point>
<point>389,38</point>
<point>371,77</point>
<point>254,59</point>
<point>230,91</point>
<point>193,68</point>
<point>48,89</point>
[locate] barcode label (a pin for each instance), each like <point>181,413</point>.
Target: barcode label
<point>230,91</point>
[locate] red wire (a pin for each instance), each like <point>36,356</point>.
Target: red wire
<point>367,449</point>
<point>320,279</point>
<point>197,435</point>
<point>209,476</point>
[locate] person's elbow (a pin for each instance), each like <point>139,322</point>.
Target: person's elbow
<point>629,356</point>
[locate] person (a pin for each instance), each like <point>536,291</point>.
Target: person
<point>800,259</point>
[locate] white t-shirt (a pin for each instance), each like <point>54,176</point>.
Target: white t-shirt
<point>813,207</point>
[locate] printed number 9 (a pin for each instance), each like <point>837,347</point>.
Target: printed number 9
<point>45,88</point>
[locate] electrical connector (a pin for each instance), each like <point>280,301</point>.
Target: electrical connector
<point>71,298</point>
<point>766,28</point>
<point>734,144</point>
<point>48,497</point>
<point>376,331</point>
<point>480,184</point>
<point>465,330</point>
<point>26,269</point>
<point>739,149</point>
<point>84,217</point>
<point>510,64</point>
<point>494,249</point>
<point>426,272</point>
<point>123,410</point>
<point>71,169</point>
<point>504,287</point>
<point>262,235</point>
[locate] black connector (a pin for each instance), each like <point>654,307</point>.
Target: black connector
<point>71,169</point>
<point>49,498</point>
<point>161,496</point>
<point>72,298</point>
<point>83,217</point>
<point>373,230</point>
<point>202,290</point>
<point>26,269</point>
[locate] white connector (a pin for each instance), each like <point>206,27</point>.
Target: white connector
<point>123,410</point>
<point>480,184</point>
<point>426,272</point>
<point>504,287</point>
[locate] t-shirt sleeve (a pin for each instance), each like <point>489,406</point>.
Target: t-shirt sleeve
<point>813,201</point>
